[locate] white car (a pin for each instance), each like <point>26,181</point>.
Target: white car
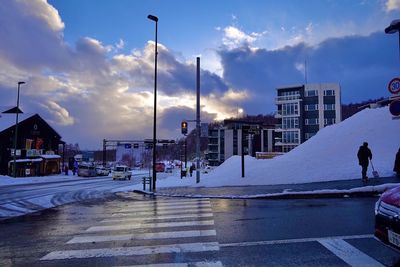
<point>101,171</point>
<point>121,172</point>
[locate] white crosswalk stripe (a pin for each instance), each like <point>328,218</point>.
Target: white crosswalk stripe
<point>145,220</point>
<point>191,264</point>
<point>168,212</point>
<point>161,208</point>
<point>148,225</point>
<point>160,235</point>
<point>131,251</point>
<point>160,217</point>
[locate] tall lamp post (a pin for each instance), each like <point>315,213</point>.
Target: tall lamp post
<point>393,28</point>
<point>16,133</point>
<point>155,19</point>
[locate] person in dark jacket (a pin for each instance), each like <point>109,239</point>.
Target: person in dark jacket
<point>192,168</point>
<point>364,156</point>
<point>397,164</point>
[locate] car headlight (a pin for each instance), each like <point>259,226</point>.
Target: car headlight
<point>377,206</point>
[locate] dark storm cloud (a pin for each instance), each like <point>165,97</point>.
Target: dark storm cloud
<point>362,65</point>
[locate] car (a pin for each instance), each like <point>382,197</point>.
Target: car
<point>160,167</point>
<point>387,218</point>
<point>102,171</point>
<point>121,172</point>
<point>86,169</point>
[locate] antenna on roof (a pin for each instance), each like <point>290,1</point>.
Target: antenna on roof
<point>305,71</point>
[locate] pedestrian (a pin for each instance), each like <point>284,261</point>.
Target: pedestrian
<point>192,169</point>
<point>75,168</point>
<point>66,169</point>
<point>364,156</point>
<point>397,164</point>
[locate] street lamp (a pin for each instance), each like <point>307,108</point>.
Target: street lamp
<point>393,28</point>
<point>155,19</point>
<point>16,133</point>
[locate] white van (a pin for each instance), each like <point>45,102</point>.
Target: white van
<point>121,172</point>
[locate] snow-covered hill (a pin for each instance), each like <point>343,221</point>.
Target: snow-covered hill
<point>330,155</point>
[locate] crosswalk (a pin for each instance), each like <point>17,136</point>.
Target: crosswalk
<point>145,233</point>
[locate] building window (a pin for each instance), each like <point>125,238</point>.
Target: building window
<point>329,121</point>
<point>290,123</point>
<point>329,92</point>
<point>290,93</point>
<point>329,107</point>
<point>309,135</point>
<point>311,107</point>
<point>312,93</point>
<point>314,121</point>
<point>290,137</point>
<point>290,109</point>
<point>287,148</point>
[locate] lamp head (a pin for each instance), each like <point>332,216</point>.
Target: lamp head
<point>19,83</point>
<point>153,18</point>
<point>393,27</point>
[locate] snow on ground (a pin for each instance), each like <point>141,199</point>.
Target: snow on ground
<point>7,180</point>
<point>330,155</point>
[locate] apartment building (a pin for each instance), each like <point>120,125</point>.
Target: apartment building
<point>303,110</point>
<point>226,141</point>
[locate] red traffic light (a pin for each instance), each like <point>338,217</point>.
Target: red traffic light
<point>184,127</point>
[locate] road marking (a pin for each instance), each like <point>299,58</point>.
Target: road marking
<point>289,241</point>
<point>348,253</point>
<point>162,217</point>
<point>191,264</point>
<point>145,204</point>
<point>157,208</point>
<point>147,225</point>
<point>146,236</point>
<point>131,251</point>
<point>158,212</point>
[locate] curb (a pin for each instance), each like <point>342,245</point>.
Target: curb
<point>286,195</point>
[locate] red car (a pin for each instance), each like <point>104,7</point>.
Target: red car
<point>387,218</point>
<point>160,167</point>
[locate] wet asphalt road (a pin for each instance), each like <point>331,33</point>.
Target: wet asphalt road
<point>128,229</point>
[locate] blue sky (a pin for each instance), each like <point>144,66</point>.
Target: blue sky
<point>89,64</point>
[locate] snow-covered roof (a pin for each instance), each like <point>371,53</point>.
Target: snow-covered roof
<point>50,156</point>
<point>7,120</point>
<point>27,160</point>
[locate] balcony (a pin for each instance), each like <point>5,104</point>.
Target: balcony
<point>287,98</point>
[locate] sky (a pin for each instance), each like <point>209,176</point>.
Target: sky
<point>89,65</point>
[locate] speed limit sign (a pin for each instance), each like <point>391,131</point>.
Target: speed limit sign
<point>394,86</point>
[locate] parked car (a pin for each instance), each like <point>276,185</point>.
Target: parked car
<point>121,172</point>
<point>101,171</point>
<point>160,167</point>
<point>387,218</point>
<point>86,169</point>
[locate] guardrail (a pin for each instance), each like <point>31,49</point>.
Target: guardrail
<point>146,180</point>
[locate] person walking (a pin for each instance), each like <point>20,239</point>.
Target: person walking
<point>364,156</point>
<point>397,164</point>
<point>192,168</point>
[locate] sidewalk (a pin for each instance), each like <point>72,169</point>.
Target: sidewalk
<point>343,188</point>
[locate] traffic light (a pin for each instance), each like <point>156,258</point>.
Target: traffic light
<point>184,127</point>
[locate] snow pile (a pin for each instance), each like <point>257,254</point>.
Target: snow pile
<point>330,155</point>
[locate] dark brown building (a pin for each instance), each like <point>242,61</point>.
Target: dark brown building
<point>38,144</point>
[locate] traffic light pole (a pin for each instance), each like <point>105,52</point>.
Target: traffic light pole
<point>198,122</point>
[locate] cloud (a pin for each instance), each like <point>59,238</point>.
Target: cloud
<point>362,65</point>
<point>234,37</point>
<point>87,90</point>
<point>392,5</point>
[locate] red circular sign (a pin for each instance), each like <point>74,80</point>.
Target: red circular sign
<point>394,86</point>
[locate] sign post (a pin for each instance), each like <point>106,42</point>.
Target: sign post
<point>394,88</point>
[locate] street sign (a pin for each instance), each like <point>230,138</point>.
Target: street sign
<point>395,108</point>
<point>394,86</point>
<point>128,146</point>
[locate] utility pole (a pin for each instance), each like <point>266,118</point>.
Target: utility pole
<point>198,121</point>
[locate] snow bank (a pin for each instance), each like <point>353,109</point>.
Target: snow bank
<point>330,155</point>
